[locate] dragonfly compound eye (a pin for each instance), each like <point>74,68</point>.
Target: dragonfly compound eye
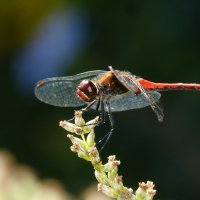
<point>87,90</point>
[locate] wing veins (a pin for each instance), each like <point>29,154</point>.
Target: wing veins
<point>61,91</point>
<point>124,76</point>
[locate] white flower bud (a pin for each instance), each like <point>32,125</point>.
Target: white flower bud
<point>101,177</point>
<point>127,194</point>
<point>67,126</point>
<point>145,190</point>
<point>94,154</point>
<point>79,121</point>
<point>90,138</point>
<point>112,165</point>
<point>107,190</point>
<point>117,182</point>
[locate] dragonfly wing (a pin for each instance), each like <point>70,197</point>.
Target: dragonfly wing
<point>131,83</point>
<point>61,91</point>
<point>155,105</point>
<point>129,101</point>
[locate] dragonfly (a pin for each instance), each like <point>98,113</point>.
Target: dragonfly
<point>107,92</point>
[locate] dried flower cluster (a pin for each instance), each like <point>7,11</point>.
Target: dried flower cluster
<point>110,182</point>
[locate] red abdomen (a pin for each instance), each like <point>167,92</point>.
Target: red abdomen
<point>168,86</point>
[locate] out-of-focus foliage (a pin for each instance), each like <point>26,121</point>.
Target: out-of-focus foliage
<point>19,20</point>
<point>158,40</point>
<point>20,182</point>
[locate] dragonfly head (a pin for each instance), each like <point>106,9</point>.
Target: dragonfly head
<point>87,90</point>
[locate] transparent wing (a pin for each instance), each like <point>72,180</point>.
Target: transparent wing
<point>130,100</point>
<point>131,83</point>
<point>61,91</point>
<point>155,105</point>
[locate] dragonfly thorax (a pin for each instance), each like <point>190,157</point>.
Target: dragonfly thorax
<point>109,85</point>
<point>87,90</point>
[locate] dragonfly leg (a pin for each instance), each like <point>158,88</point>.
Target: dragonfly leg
<point>89,105</point>
<point>69,120</point>
<point>99,103</point>
<point>102,110</point>
<point>108,135</point>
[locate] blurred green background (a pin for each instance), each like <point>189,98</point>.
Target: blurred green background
<point>158,40</point>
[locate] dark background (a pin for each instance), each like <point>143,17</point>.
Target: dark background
<point>158,40</point>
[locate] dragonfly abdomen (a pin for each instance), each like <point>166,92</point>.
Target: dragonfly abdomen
<point>168,86</point>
